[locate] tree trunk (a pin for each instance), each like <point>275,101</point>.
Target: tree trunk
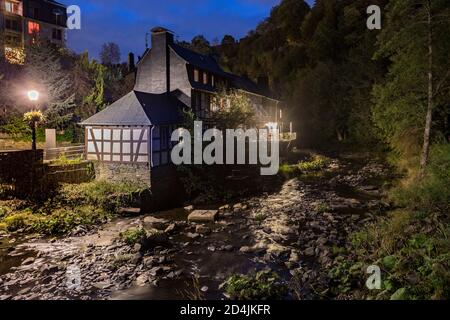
<point>33,136</point>
<point>426,138</point>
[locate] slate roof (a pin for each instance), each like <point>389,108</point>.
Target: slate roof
<point>199,60</point>
<point>210,64</point>
<point>139,109</point>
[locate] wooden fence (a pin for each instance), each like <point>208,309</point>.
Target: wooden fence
<point>72,152</point>
<point>24,173</point>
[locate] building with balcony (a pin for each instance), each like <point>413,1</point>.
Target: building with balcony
<point>137,128</point>
<point>22,21</point>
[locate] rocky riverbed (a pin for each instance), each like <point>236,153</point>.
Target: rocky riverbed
<point>296,231</point>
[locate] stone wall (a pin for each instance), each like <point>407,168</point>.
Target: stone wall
<point>69,173</point>
<point>119,172</point>
<point>166,189</point>
<point>21,172</point>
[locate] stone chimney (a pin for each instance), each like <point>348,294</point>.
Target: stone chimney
<point>161,37</point>
<point>131,65</point>
<point>153,74</point>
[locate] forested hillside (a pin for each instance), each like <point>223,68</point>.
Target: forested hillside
<point>385,89</point>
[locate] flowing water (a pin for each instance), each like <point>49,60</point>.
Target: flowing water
<point>204,263</point>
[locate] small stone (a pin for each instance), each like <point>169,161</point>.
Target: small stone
<point>202,229</point>
<point>28,261</point>
<point>171,228</point>
<point>179,273</point>
<point>155,223</point>
<point>136,258</point>
<point>142,280</point>
<point>294,257</point>
<point>192,235</point>
<point>189,208</point>
<point>321,241</point>
<point>23,291</point>
<point>309,252</point>
<point>155,271</point>
<point>137,247</point>
<point>228,248</point>
<point>102,285</point>
<point>245,249</point>
<point>204,289</point>
<point>148,261</point>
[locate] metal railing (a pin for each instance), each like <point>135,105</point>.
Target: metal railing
<point>72,152</point>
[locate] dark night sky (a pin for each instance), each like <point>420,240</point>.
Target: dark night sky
<point>126,22</point>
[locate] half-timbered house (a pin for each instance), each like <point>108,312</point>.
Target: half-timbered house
<point>135,131</point>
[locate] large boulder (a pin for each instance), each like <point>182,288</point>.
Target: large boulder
<point>203,216</point>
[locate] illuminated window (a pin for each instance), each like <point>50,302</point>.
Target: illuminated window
<point>213,81</point>
<point>205,78</point>
<point>196,75</point>
<point>12,7</point>
<point>33,27</point>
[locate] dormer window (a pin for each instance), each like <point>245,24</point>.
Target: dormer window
<point>196,75</point>
<point>33,27</point>
<point>205,78</point>
<point>213,84</point>
<point>12,7</point>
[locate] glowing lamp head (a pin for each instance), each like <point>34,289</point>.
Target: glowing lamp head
<point>33,95</point>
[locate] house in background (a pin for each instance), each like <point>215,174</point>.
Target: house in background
<point>21,21</point>
<point>133,135</point>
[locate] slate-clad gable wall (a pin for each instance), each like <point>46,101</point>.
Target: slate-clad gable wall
<point>162,70</point>
<point>179,78</point>
<point>152,70</point>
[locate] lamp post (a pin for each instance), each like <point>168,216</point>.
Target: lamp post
<point>33,117</point>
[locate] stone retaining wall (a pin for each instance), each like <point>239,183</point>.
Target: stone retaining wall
<point>118,172</point>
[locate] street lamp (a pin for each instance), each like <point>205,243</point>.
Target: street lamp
<point>33,95</point>
<point>33,117</point>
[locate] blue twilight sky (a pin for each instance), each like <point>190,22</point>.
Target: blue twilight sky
<point>126,22</point>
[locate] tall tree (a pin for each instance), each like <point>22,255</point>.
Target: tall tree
<point>110,54</point>
<point>201,44</point>
<point>416,38</point>
<point>48,70</point>
<point>228,40</point>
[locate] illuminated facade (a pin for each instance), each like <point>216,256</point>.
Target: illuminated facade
<point>21,21</point>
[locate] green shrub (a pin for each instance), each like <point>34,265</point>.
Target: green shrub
<point>263,285</point>
<point>133,236</point>
<point>63,220</point>
<point>21,220</point>
<point>104,194</point>
<point>63,160</point>
<point>260,217</point>
<point>315,164</point>
<point>322,207</point>
<point>16,127</point>
<point>432,193</point>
